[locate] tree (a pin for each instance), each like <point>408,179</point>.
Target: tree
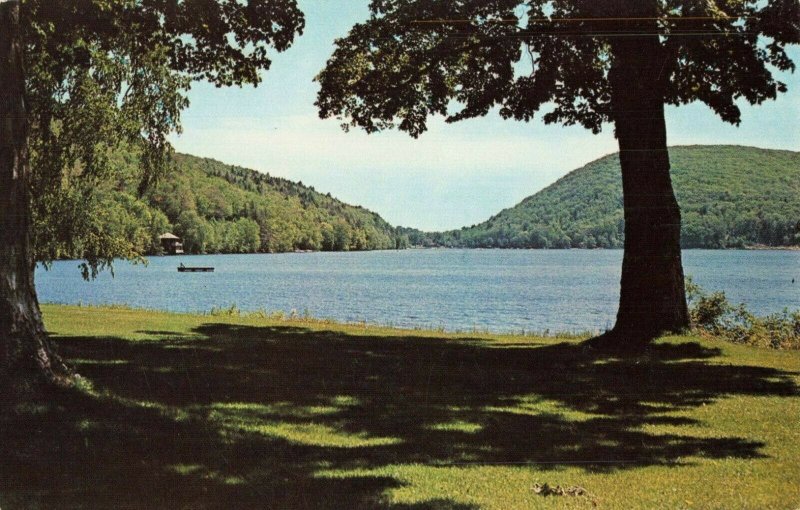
<point>98,74</point>
<point>585,62</point>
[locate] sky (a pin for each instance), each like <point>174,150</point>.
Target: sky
<point>454,175</point>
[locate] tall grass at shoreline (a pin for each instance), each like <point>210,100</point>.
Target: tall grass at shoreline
<point>293,316</point>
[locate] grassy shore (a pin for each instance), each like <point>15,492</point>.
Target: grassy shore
<point>190,411</point>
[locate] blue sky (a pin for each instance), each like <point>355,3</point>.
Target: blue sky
<point>454,175</point>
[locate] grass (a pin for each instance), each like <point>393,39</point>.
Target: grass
<point>190,411</point>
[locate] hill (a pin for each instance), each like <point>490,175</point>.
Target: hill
<point>730,197</point>
<point>220,208</point>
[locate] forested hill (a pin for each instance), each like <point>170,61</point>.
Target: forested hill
<point>730,196</point>
<point>219,208</point>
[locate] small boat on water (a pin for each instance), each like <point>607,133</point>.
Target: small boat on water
<point>195,269</point>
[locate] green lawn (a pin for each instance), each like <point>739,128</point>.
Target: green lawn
<point>199,412</point>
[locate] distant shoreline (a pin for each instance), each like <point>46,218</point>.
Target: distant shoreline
<point>765,247</point>
<point>414,248</point>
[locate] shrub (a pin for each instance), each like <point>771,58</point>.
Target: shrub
<point>712,314</point>
<point>231,311</point>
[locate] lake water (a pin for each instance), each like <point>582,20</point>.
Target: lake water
<point>496,290</point>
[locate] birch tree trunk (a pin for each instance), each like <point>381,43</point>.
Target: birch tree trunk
<point>25,352</point>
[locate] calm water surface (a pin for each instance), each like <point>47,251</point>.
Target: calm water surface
<point>498,290</point>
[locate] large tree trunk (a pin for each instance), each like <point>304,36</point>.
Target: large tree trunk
<point>25,353</point>
<point>652,295</point>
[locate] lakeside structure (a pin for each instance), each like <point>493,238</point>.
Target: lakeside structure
<point>171,244</point>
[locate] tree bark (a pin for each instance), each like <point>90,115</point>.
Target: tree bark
<point>26,355</point>
<point>652,294</point>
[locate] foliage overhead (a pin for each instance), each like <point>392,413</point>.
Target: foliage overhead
<point>413,59</point>
<point>731,197</point>
<point>105,73</point>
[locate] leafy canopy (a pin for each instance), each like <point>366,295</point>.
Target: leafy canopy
<point>108,73</point>
<point>460,59</point>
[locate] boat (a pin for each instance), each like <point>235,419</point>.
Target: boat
<point>194,269</point>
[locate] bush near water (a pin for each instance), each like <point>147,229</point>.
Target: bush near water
<point>713,315</point>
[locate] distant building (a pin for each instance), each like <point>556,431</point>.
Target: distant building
<point>171,243</point>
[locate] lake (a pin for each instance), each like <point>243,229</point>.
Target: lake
<point>495,290</point>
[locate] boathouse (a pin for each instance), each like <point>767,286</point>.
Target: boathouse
<point>171,244</point>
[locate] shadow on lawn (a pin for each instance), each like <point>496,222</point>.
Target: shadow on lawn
<point>260,417</point>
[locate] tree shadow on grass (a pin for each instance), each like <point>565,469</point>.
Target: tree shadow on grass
<point>285,417</point>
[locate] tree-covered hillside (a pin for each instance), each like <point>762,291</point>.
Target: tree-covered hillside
<point>219,208</point>
<point>730,197</point>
